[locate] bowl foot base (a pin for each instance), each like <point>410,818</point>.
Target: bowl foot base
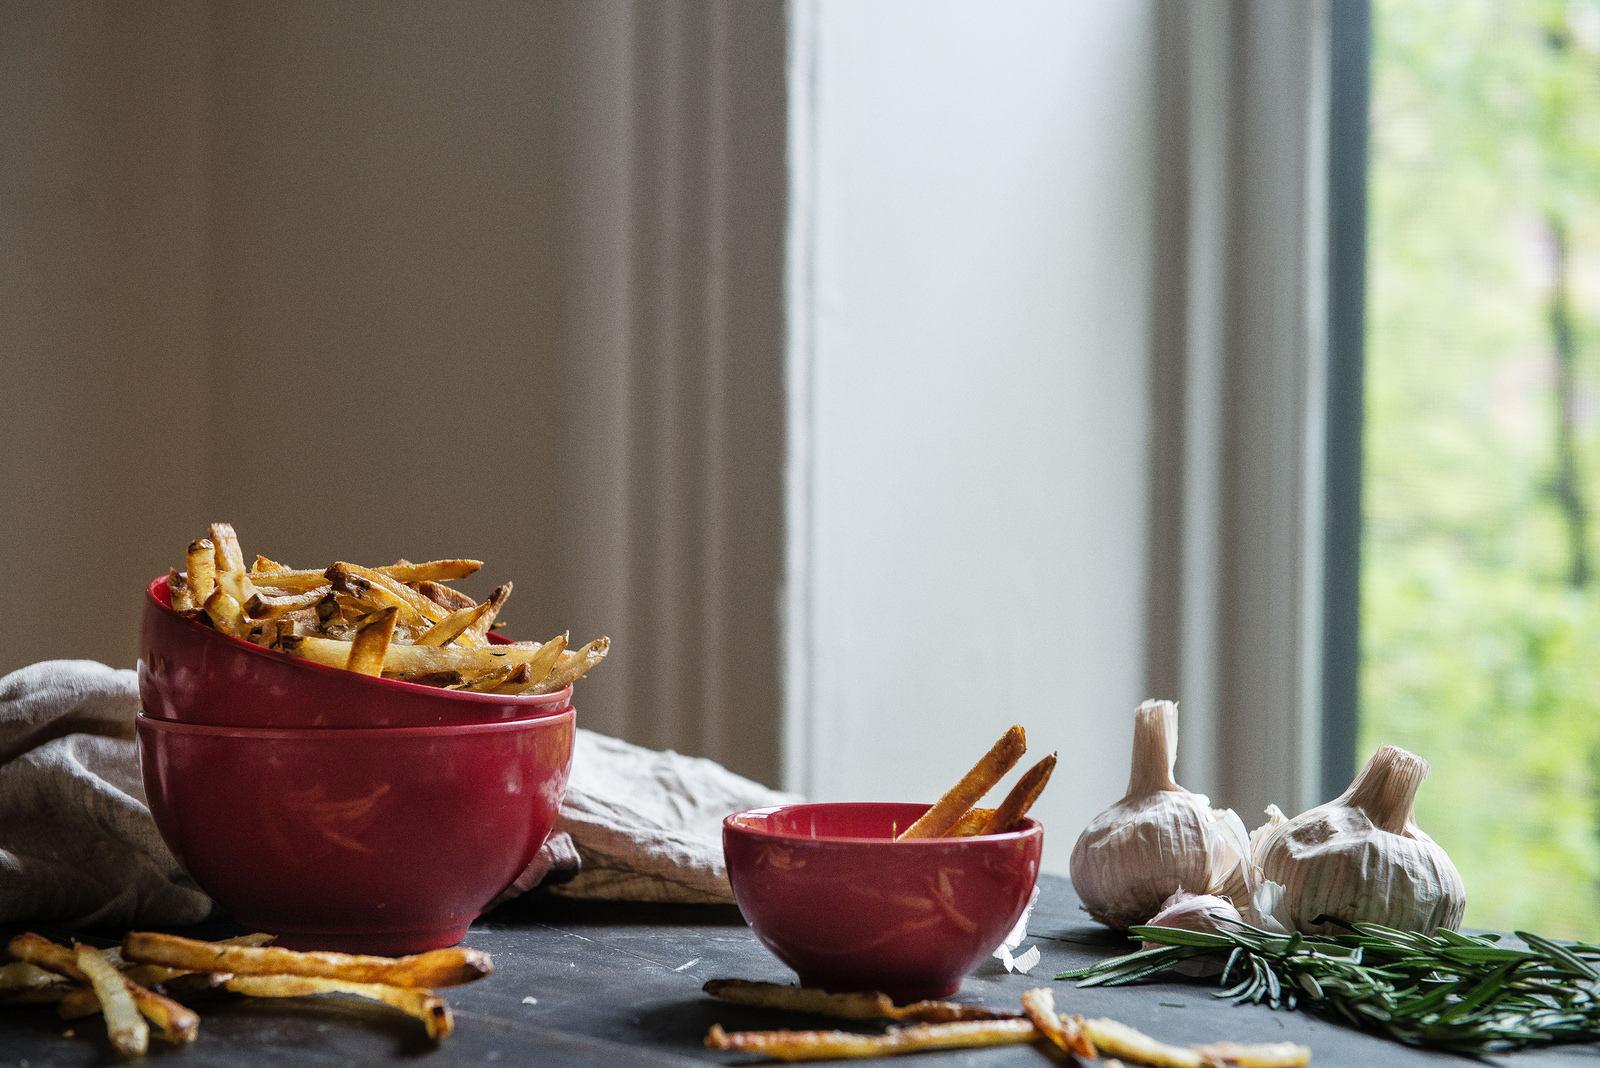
<point>377,943</point>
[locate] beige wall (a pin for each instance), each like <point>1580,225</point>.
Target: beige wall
<point>434,279</point>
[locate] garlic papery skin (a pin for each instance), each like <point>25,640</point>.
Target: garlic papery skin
<point>1160,838</point>
<point>1195,912</point>
<point>1362,857</point>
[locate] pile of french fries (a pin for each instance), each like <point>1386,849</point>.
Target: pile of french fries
<point>950,1025</point>
<point>122,983</point>
<point>400,621</point>
<point>954,814</point>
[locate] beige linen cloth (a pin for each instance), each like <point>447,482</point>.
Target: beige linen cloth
<point>78,847</point>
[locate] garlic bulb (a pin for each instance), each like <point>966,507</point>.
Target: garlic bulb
<point>1362,856</point>
<point>1160,838</point>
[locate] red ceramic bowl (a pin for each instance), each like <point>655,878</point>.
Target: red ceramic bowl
<point>369,841</point>
<point>190,673</point>
<point>831,893</point>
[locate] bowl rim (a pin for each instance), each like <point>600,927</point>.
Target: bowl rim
<point>264,734</point>
<point>556,699</point>
<point>1030,826</point>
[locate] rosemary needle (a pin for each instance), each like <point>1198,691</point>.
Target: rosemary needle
<point>1466,993</point>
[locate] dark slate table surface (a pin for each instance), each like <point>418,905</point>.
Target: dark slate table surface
<point>605,984</point>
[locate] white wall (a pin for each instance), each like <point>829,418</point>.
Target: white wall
<point>971,254</point>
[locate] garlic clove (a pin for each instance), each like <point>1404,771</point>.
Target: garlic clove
<point>1362,857</point>
<point>1195,912</point>
<point>1275,819</point>
<point>1158,839</point>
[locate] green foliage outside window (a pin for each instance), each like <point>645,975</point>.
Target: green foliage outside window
<point>1480,599</point>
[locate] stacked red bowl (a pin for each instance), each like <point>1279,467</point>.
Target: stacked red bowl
<point>337,810</point>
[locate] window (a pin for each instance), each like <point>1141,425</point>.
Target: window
<point>1480,615</point>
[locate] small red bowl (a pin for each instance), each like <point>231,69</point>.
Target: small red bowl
<point>190,673</point>
<point>828,889</point>
<point>367,841</point>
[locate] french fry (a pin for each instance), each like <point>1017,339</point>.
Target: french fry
<point>477,634</point>
<point>20,979</point>
<point>1114,1039</point>
<point>39,951</point>
<point>282,578</point>
<point>420,659</point>
<point>128,1032</point>
<point>977,782</point>
<point>447,629</point>
<point>178,590</point>
<point>201,560</point>
<point>381,590</point>
<point>371,641</point>
<point>573,666</point>
<point>851,1006</point>
<point>492,679</point>
<point>1021,797</point>
<point>226,615</point>
<point>444,596</point>
<point>437,967</point>
<point>272,605</point>
<point>425,1005</point>
<point>822,1045</point>
<point>973,822</point>
<point>1258,1055</point>
<point>1065,1031</point>
<point>225,544</point>
<point>431,571</point>
<point>290,580</point>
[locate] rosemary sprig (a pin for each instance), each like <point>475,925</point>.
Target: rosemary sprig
<point>1466,993</point>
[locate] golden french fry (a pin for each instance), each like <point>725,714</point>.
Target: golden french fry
<point>263,566</point>
<point>821,1045</point>
<point>229,557</point>
<point>421,659</point>
<point>380,590</point>
<point>1064,1031</point>
<point>852,1006</point>
<point>977,782</point>
<point>430,571</point>
<point>1257,1055</point>
<point>126,1028</point>
<point>22,978</point>
<point>287,579</point>
<point>425,1005</point>
<point>450,627</point>
<point>972,822</point>
<point>1114,1039</point>
<point>477,634</point>
<point>272,605</point>
<point>178,591</point>
<point>226,615</point>
<point>201,560</point>
<point>1021,797</point>
<point>437,967</point>
<point>445,596</point>
<point>492,679</point>
<point>371,641</point>
<point>42,953</point>
<point>177,1023</point>
<point>572,666</point>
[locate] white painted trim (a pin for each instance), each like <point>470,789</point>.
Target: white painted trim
<point>799,718</point>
